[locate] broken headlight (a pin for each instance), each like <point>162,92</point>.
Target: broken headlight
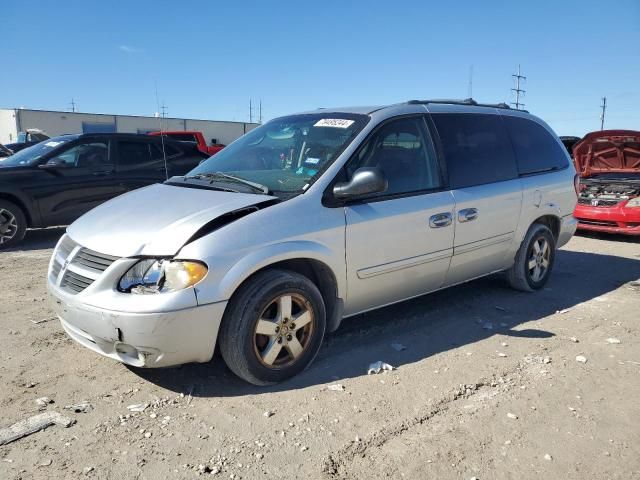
<point>160,276</point>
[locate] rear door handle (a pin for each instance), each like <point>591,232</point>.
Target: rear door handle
<point>467,214</point>
<point>440,220</point>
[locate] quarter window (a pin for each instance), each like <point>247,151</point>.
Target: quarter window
<point>403,151</point>
<point>536,149</point>
<point>169,151</point>
<point>476,148</point>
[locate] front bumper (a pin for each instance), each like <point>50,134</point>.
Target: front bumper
<point>159,339</point>
<point>617,219</point>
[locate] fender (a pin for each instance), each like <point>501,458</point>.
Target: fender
<point>32,211</point>
<point>268,255</point>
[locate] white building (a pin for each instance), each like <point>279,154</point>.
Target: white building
<point>55,123</point>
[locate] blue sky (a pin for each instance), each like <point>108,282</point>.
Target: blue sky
<point>209,57</point>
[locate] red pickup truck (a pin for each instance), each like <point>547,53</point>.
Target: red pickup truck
<point>194,137</point>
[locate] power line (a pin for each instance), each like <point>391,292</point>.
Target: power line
<point>519,91</point>
<point>604,109</point>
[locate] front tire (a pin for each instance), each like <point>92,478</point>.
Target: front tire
<point>534,260</point>
<point>13,224</point>
<point>273,327</point>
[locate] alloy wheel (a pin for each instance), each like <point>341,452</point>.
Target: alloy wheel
<point>539,258</point>
<point>8,225</point>
<point>284,330</point>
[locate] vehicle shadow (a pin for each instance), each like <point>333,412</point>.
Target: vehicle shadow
<point>428,325</point>
<point>38,239</point>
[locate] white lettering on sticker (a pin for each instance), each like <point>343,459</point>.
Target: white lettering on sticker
<point>334,122</point>
<point>312,161</point>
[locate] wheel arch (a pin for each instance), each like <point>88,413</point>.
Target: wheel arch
<point>305,258</point>
<point>9,197</point>
<point>551,221</point>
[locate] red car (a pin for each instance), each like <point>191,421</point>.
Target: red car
<point>194,137</point>
<point>608,163</point>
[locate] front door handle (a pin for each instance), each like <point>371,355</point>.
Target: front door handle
<point>440,220</point>
<point>467,214</point>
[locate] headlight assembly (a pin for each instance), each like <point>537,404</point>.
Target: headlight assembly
<point>160,276</point>
<point>634,202</point>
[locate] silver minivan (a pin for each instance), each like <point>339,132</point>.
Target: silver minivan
<point>309,219</point>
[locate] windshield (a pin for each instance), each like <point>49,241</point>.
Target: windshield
<point>31,155</point>
<point>286,153</point>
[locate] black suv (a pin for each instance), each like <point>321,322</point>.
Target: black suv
<point>59,179</point>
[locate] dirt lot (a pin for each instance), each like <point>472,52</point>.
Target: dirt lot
<point>488,386</point>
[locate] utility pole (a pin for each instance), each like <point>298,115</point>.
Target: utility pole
<point>163,108</point>
<point>470,92</point>
<point>518,90</point>
<point>604,109</point>
<point>260,117</point>
<point>250,112</point>
<point>73,105</point>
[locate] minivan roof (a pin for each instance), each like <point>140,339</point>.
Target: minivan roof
<point>442,105</point>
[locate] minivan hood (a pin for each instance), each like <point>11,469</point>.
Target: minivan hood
<point>608,151</point>
<point>156,220</point>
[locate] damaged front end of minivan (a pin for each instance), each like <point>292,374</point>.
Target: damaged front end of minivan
<point>608,163</point>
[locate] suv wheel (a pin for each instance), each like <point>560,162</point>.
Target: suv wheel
<point>534,260</point>
<point>13,224</point>
<point>273,327</point>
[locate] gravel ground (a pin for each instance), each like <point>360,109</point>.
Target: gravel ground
<point>487,385</point>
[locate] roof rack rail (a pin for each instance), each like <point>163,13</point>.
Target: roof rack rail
<point>466,101</point>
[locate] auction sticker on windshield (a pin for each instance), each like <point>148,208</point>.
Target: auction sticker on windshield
<point>334,122</point>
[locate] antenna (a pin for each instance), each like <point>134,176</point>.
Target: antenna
<point>164,154</point>
<point>518,90</point>
<point>470,92</point>
<point>604,109</point>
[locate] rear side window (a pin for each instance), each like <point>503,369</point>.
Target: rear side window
<point>536,149</point>
<point>132,153</point>
<point>476,148</point>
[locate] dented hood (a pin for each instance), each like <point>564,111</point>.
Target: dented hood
<point>608,151</point>
<point>156,220</point>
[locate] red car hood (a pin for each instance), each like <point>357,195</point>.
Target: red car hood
<point>608,151</point>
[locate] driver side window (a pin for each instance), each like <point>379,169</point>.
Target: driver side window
<point>402,149</point>
<point>85,155</point>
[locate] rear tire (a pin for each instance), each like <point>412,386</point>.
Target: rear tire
<point>273,327</point>
<point>534,260</point>
<point>13,224</point>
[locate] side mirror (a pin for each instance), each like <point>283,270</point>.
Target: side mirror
<point>55,164</point>
<point>365,181</point>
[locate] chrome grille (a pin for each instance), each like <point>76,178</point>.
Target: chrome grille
<point>82,266</point>
<point>75,281</point>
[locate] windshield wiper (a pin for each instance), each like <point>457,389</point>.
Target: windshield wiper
<point>220,175</point>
